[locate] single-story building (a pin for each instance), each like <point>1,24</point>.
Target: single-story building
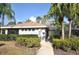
<point>26,28</point>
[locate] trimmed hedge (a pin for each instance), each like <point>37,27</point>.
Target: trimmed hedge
<point>66,44</point>
<point>24,40</point>
<point>14,36</point>
<point>28,41</point>
<point>28,36</point>
<point>5,37</point>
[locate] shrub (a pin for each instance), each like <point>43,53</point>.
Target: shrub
<point>5,37</point>
<point>8,37</point>
<point>75,44</point>
<point>62,44</point>
<point>20,40</point>
<point>57,43</point>
<point>11,37</point>
<point>66,44</point>
<point>28,36</point>
<point>28,41</point>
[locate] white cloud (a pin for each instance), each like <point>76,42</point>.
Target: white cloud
<point>33,19</point>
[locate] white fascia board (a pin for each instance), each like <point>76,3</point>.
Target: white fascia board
<point>30,27</point>
<point>6,27</point>
<point>25,27</point>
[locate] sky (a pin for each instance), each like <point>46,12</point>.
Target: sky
<point>23,11</point>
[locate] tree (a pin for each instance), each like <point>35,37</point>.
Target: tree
<point>38,19</point>
<point>71,12</point>
<point>28,20</point>
<point>19,23</point>
<point>11,23</point>
<point>5,9</point>
<point>57,10</point>
<point>45,19</point>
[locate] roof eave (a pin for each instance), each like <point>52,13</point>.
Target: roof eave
<point>25,27</point>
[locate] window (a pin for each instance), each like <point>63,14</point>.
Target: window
<point>22,29</point>
<point>29,29</point>
<point>33,29</point>
<point>26,29</point>
<point>77,26</point>
<point>13,31</point>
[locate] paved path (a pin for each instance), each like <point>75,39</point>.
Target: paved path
<point>46,49</point>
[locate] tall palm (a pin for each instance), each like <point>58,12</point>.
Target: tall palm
<point>45,19</point>
<point>57,10</point>
<point>5,9</point>
<point>71,13</point>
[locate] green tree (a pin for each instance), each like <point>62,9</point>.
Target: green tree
<point>5,9</point>
<point>28,20</point>
<point>45,19</point>
<point>57,10</point>
<point>38,19</point>
<point>71,12</point>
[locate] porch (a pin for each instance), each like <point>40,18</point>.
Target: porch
<point>9,31</point>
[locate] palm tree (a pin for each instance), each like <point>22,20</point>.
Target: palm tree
<point>71,12</point>
<point>5,9</point>
<point>45,19</point>
<point>57,10</point>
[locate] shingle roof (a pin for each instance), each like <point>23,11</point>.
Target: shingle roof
<point>27,25</point>
<point>30,23</point>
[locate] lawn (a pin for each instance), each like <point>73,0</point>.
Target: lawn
<point>10,48</point>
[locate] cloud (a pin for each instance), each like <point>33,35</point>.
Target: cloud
<point>33,19</point>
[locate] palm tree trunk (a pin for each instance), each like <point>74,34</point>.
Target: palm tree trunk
<point>62,25</point>
<point>14,21</point>
<point>3,19</point>
<point>70,22</point>
<point>0,26</point>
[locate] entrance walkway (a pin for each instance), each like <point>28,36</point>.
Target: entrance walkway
<point>46,49</point>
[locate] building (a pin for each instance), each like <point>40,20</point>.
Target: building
<point>26,28</point>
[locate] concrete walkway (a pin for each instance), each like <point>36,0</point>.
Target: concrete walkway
<point>46,49</point>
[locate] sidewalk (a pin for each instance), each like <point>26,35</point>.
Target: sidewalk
<point>46,49</point>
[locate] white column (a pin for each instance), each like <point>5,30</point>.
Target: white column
<point>6,31</point>
<point>19,31</point>
<point>1,31</point>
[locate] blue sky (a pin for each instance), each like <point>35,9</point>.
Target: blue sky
<point>23,11</point>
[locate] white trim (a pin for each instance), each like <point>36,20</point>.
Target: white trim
<point>25,27</point>
<point>28,26</point>
<point>6,27</point>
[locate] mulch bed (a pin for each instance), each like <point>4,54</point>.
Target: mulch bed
<point>62,52</point>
